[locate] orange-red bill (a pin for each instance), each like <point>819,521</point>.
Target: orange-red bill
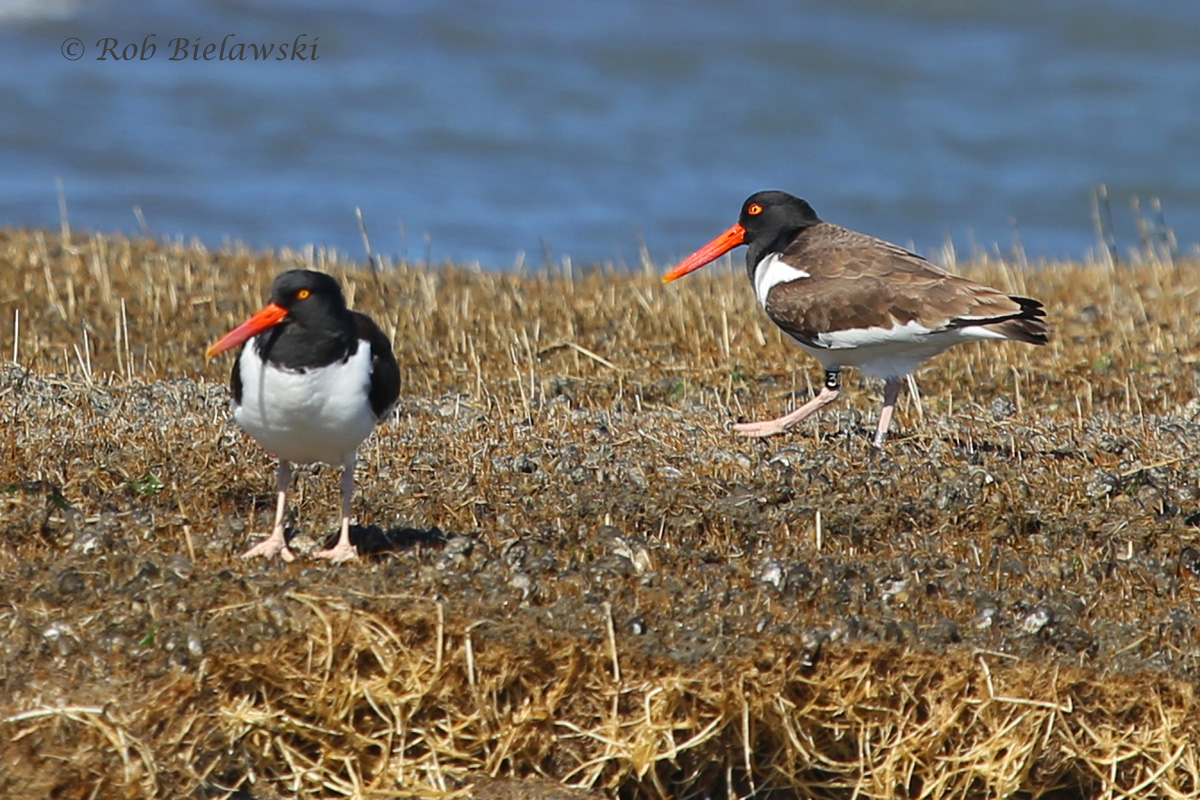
<point>269,317</point>
<point>710,252</point>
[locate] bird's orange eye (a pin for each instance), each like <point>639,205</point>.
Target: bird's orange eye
<point>754,209</point>
<point>303,294</point>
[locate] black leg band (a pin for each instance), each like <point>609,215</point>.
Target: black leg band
<point>833,379</point>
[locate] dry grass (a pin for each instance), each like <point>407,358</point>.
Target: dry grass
<point>627,599</point>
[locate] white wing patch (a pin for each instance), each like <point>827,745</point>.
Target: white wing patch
<point>771,271</point>
<point>890,352</point>
<point>911,333</point>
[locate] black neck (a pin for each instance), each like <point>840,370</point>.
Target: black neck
<point>291,345</point>
<point>763,246</point>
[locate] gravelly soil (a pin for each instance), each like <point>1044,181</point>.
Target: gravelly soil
<point>982,535</point>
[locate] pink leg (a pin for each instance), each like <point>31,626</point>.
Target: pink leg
<point>891,391</point>
<point>276,543</point>
<point>829,392</point>
<point>343,550</point>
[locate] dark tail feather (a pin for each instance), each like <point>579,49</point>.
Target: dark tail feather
<point>1033,331</point>
<point>1026,325</point>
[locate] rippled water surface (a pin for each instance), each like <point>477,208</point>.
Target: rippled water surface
<point>477,131</point>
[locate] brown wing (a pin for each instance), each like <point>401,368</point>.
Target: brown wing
<point>858,281</point>
<point>385,373</point>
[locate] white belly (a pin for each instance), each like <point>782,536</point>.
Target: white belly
<point>320,414</point>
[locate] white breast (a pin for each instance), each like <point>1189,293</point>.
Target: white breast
<point>319,414</point>
<point>771,271</point>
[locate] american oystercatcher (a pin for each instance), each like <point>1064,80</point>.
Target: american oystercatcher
<point>851,300</point>
<point>309,385</point>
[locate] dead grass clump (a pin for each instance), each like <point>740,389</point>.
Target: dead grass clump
<point>76,746</point>
<point>404,703</point>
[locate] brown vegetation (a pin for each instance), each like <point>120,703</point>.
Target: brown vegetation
<point>582,581</point>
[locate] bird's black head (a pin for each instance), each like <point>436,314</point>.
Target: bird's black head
<point>772,219</point>
<point>768,223</point>
<point>309,305</point>
<point>307,294</point>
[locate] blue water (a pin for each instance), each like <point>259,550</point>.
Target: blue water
<point>478,131</point>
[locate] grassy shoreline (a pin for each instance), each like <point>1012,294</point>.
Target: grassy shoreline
<point>584,575</point>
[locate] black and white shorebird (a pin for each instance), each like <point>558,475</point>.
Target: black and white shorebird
<point>309,385</point>
<point>851,300</point>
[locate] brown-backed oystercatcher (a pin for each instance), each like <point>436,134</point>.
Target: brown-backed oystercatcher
<point>309,385</point>
<point>851,300</point>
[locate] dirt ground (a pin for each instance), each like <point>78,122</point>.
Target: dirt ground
<point>577,582</point>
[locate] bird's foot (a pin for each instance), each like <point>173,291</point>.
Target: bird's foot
<point>275,544</point>
<point>759,429</point>
<point>342,551</point>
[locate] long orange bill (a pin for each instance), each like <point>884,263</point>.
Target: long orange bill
<point>710,252</point>
<point>269,317</point>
